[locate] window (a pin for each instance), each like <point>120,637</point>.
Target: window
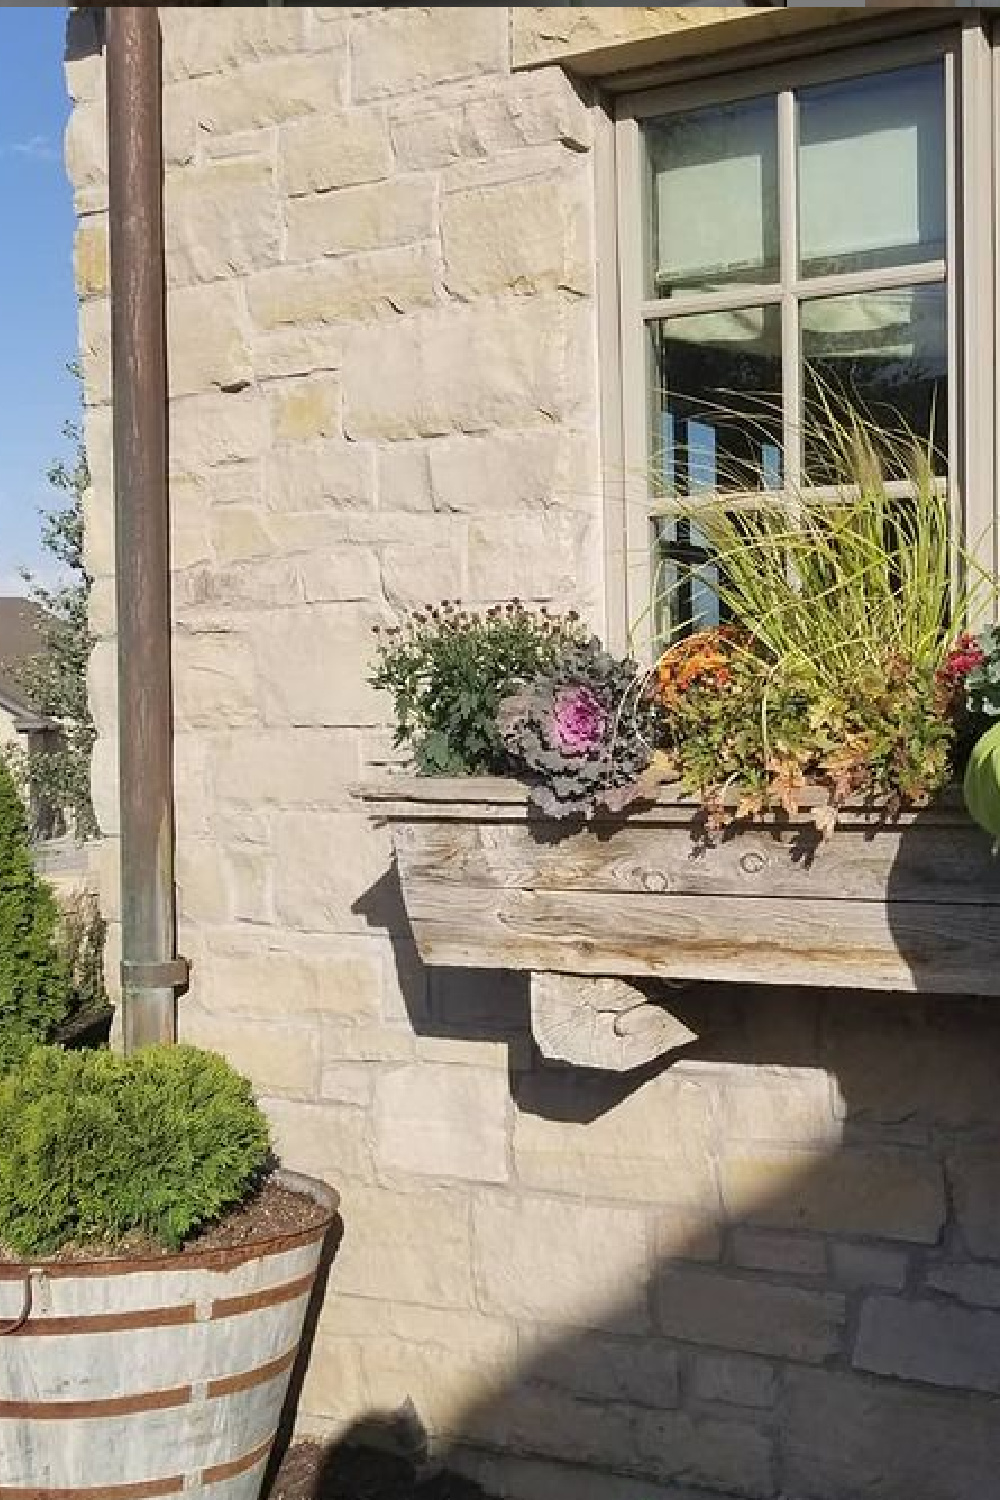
<point>793,237</point>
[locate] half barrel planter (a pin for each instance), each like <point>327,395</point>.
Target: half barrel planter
<point>127,1379</point>
<point>909,903</point>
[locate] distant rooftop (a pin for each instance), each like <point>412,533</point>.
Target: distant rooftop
<point>22,622</point>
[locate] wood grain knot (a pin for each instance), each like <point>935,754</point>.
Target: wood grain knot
<point>655,880</point>
<point>753,862</point>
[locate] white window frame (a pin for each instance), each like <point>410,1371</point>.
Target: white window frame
<point>972,83</point>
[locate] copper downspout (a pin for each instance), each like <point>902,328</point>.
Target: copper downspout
<point>151,971</point>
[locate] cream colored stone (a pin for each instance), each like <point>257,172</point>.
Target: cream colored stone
<point>544,33</point>
<point>101,608</point>
<point>95,351</point>
<point>684,1233</point>
<point>440,1121</point>
<point>98,530</point>
<point>513,471</point>
<point>86,148</point>
<point>321,475</point>
<point>105,874</point>
<point>236,535</point>
<point>441,1384</point>
<point>786,1107</point>
<point>334,1384</point>
<point>347,574</point>
<point>90,257</point>
<point>361,1043</point>
<point>282,975</point>
<point>736,1380</point>
<point>251,883</point>
<point>458,369</point>
<point>216,429</point>
<point>896,1195</point>
<point>354,288</point>
<point>705,1307</point>
<point>644,1372</point>
<point>517,237</point>
<point>221,219</point>
<point>420,46</point>
<point>312,666</point>
<point>296,351</point>
<point>320,1139</point>
<point>214,681</point>
<point>326,863</point>
<point>784,1254</point>
<point>413,575</point>
<point>262,768</point>
<point>207,340</point>
<point>278,1058</point>
<point>104,783</point>
<point>102,686</point>
<point>373,217</point>
<point>555,1261</point>
<point>334,150</point>
<point>534,557</point>
<point>271,92</point>
<point>404,477</point>
<point>304,409</point>
<point>204,891</point>
<point>405,1247</point>
<point>196,42</point>
<point>656,1144</point>
<point>189,520</point>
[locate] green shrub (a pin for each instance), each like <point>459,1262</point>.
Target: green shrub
<point>448,668</point>
<point>35,989</point>
<point>97,1147</point>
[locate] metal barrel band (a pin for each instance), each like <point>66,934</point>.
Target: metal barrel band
<point>13,1324</point>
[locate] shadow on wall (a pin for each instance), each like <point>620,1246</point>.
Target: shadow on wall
<point>704,1280</point>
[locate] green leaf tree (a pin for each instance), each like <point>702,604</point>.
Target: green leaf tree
<point>56,680</point>
<point>35,989</point>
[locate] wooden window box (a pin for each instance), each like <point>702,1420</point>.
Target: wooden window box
<point>908,905</point>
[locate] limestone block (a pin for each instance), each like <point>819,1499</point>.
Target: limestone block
<point>544,33</point>
<point>655,1145</point>
<point>207,340</point>
<point>98,532</point>
<point>551,1260</point>
<point>517,237</point>
<point>645,1372</point>
<point>930,1342</point>
<point>409,49</point>
<point>101,608</point>
<point>312,665</point>
<point>296,351</point>
<point>204,892</point>
<point>280,1059</point>
<point>787,1254</point>
<point>284,975</point>
<point>348,1083</point>
<point>355,288</point>
<point>214,681</point>
<point>262,768</point>
<point>872,1440</point>
<point>196,43</point>
<point>896,1195</point>
<point>320,1139</point>
<point>735,1379</point>
<point>193,804</point>
<point>102,686</point>
<point>305,408</point>
<point>546,557</point>
<point>271,92</point>
<point>334,150</point>
<point>104,783</point>
<point>334,1384</point>
<point>98,442</point>
<point>786,1106</point>
<point>440,1384</point>
<point>441,1121</point>
<point>705,1307</point>
<point>216,429</point>
<point>868,1266</point>
<point>86,149</point>
<point>686,1233</point>
<point>95,351</point>
<point>521,1478</point>
<point>512,471</point>
<point>372,217</point>
<point>321,475</point>
<point>428,138</point>
<point>458,369</point>
<point>405,1247</point>
<point>237,535</point>
<point>414,575</point>
<point>90,257</point>
<point>404,477</point>
<point>221,219</point>
<point>975,1179</point>
<point>528,109</point>
<point>975,1285</point>
<point>326,863</point>
<point>250,874</point>
<point>357,1042</point>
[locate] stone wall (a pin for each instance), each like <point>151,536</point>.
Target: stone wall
<point>771,1269</point>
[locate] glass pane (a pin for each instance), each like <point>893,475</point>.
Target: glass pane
<point>715,419</point>
<point>712,188</point>
<point>872,171</point>
<point>884,355</point>
<point>685,582</point>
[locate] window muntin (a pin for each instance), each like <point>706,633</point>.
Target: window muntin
<point>866,299</point>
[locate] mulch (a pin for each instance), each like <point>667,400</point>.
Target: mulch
<point>308,1472</point>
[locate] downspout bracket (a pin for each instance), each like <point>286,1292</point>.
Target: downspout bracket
<point>170,974</point>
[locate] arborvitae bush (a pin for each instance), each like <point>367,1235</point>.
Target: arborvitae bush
<point>97,1147</point>
<point>35,988</point>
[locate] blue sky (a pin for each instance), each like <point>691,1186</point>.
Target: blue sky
<point>37,304</point>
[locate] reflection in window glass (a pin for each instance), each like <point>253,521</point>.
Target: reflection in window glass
<point>712,212</point>
<point>685,586</point>
<point>883,354</point>
<point>715,419</point>
<point>871,159</point>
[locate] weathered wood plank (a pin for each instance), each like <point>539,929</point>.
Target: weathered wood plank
<point>908,945</point>
<point>950,865</point>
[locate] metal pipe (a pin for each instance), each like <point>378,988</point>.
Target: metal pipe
<point>151,970</point>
